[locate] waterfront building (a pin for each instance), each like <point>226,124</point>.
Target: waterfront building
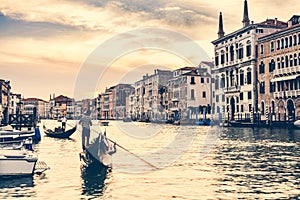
<point>279,74</point>
<point>235,91</point>
<point>58,106</point>
<point>15,103</point>
<point>4,101</point>
<point>30,105</point>
<point>189,93</point>
<point>147,104</point>
<point>112,103</point>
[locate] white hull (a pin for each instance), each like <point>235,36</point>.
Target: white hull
<point>17,162</point>
<point>297,123</point>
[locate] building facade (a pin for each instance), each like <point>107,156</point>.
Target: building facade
<point>235,90</point>
<point>31,104</point>
<point>279,74</point>
<point>112,103</point>
<point>59,107</point>
<point>4,100</point>
<point>147,103</point>
<point>189,93</point>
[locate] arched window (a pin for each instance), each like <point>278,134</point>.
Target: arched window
<point>286,42</point>
<point>298,38</point>
<point>278,63</point>
<point>299,58</point>
<point>262,67</point>
<point>291,61</point>
<point>282,43</point>
<point>295,60</point>
<point>291,41</point>
<point>295,40</point>
<point>282,62</point>
<point>272,65</point>
<point>278,44</point>
<point>286,61</point>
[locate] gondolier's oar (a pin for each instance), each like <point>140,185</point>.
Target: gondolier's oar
<point>138,157</point>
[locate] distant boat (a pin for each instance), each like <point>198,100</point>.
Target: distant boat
<point>59,133</point>
<point>104,123</point>
<point>99,152</point>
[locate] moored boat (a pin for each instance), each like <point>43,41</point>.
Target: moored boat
<point>17,162</point>
<point>297,123</point>
<point>59,133</point>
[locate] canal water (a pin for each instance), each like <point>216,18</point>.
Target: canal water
<point>159,161</point>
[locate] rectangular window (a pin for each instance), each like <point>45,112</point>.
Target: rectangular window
<point>207,80</point>
<point>222,58</point>
<point>217,98</point>
<point>217,60</point>
<point>203,94</point>
<point>192,94</point>
<point>241,96</point>
<point>192,80</point>
<point>242,108</point>
<point>248,77</point>
<point>223,98</point>
<point>241,79</point>
<point>241,53</point>
<point>248,50</point>
<point>249,95</point>
<point>250,107</point>
<point>202,80</point>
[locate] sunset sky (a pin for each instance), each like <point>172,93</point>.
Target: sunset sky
<point>46,43</point>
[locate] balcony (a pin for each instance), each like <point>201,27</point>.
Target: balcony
<point>286,94</point>
<point>287,71</point>
<point>175,99</point>
<point>232,89</point>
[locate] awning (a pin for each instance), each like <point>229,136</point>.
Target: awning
<point>284,78</point>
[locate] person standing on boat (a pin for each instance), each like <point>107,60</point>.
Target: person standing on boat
<point>86,122</point>
<point>63,123</point>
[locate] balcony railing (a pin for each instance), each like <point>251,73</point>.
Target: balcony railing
<point>287,70</point>
<point>232,89</point>
<point>290,93</point>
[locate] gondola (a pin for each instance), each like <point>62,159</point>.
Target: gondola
<point>99,152</point>
<point>59,133</point>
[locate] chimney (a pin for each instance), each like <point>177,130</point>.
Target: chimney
<point>221,32</point>
<point>246,20</point>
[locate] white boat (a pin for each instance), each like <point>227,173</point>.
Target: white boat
<point>17,162</point>
<point>297,123</point>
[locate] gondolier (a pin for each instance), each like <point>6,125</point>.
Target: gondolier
<point>86,122</point>
<point>63,122</point>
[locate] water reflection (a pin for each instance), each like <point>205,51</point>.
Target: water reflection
<point>13,187</point>
<point>94,178</point>
<point>256,162</point>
